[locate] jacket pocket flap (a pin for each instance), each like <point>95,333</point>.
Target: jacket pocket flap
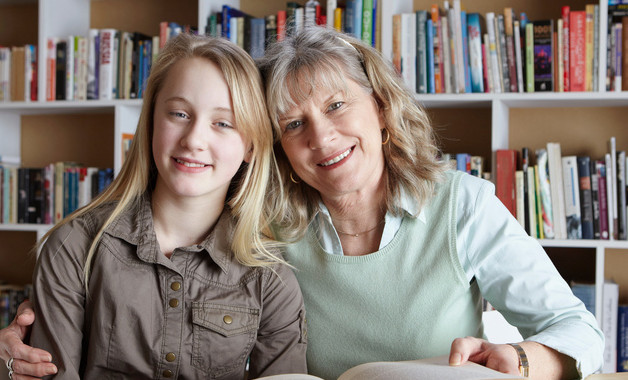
<point>225,319</point>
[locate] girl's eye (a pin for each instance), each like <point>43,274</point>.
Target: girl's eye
<point>181,115</point>
<point>294,125</point>
<point>334,106</point>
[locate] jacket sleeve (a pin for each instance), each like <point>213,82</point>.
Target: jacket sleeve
<point>59,298</point>
<point>282,335</point>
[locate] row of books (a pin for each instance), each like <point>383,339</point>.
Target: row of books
<point>614,322</point>
<point>253,34</point>
<point>46,195</point>
<point>565,197</point>
<point>465,162</point>
<point>449,50</point>
<point>105,64</point>
<point>617,51</point>
<point>10,298</point>
<point>18,73</point>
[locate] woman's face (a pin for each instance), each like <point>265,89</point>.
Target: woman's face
<point>197,147</point>
<point>333,140</point>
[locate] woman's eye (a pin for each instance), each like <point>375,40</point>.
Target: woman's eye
<point>223,124</point>
<point>334,106</point>
<point>293,125</point>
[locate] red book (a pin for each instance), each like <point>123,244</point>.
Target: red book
<point>577,50</point>
<point>439,67</point>
<point>281,25</point>
<point>566,49</point>
<point>505,178</point>
<point>51,69</point>
<point>600,168</point>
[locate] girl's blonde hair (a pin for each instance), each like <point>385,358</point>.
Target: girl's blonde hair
<point>254,180</point>
<point>321,57</point>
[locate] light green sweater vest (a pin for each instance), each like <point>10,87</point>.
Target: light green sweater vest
<point>407,301</point>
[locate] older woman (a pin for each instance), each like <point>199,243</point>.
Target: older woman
<point>393,252</point>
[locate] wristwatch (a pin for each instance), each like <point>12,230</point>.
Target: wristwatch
<point>524,365</point>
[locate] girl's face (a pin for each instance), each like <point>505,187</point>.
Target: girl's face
<point>197,147</point>
<point>334,142</point>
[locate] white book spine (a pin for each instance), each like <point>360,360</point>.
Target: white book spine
<point>518,60</point>
<point>492,40</point>
<point>520,206</point>
<point>572,197</point>
<point>106,69</point>
<point>610,300</point>
<point>69,69</point>
<point>460,69</point>
<point>331,7</point>
<point>408,50</point>
<point>609,195</point>
<point>446,54</point>
<point>613,149</point>
<point>532,202</point>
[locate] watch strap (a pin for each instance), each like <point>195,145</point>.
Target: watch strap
<point>524,365</point>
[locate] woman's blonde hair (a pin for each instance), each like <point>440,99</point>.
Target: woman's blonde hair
<point>321,57</point>
<point>254,180</point>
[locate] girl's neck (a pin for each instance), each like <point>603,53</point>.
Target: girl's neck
<point>182,222</point>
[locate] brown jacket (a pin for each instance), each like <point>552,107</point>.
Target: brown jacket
<point>197,315</point>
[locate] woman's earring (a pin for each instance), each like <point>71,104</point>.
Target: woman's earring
<point>387,136</point>
<point>292,178</point>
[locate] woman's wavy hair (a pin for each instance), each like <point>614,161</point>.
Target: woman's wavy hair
<point>322,57</point>
<point>253,182</point>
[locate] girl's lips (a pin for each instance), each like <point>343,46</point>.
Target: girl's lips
<point>337,159</point>
<point>189,163</point>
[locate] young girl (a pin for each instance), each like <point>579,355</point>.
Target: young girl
<point>166,274</point>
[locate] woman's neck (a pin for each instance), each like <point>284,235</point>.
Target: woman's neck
<point>183,222</point>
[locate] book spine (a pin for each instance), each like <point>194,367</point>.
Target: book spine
<point>543,69</point>
<point>518,56</point>
<point>503,52</point>
<point>566,46</point>
<point>367,21</point>
<point>547,213</point>
<point>510,49</point>
<point>586,197</point>
<point>494,60</point>
<point>475,52</point>
<point>600,169</point>
<point>588,61</point>
<point>572,197</point>
<point>51,69</point>
<point>429,36</point>
<point>421,52</point>
<point>577,51</point>
<point>505,178</point>
<point>519,198</point>
<point>622,338</point>
<point>438,50</point>
<point>529,57</point>
<point>106,67</point>
<point>531,225</point>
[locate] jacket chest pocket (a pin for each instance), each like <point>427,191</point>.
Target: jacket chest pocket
<point>223,336</point>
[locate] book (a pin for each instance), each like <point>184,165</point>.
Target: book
<point>505,178</point>
<point>621,195</point>
<point>610,212</point>
<point>519,200</point>
<point>475,52</point>
<point>556,189</point>
<point>532,211</point>
<point>438,49</point>
<point>543,50</point>
<point>586,197</point>
<point>586,293</point>
<point>566,46</point>
<point>494,58</point>
<point>409,50</point>
<point>610,303</point>
<point>509,19</point>
<point>529,57</point>
<point>595,199</point>
<point>543,186</point>
<point>577,51</point>
<point>421,85</point>
<point>622,338</point>
<point>572,197</point>
<point>422,369</point>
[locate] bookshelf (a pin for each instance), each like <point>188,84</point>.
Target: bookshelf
<point>41,132</point>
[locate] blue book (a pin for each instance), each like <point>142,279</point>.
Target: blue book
<point>421,52</point>
<point>586,294</point>
<point>349,17</point>
<point>465,52</point>
<point>258,37</point>
<point>463,162</point>
<point>622,338</point>
<point>374,23</point>
<point>357,18</point>
<point>476,67</point>
<point>430,56</point>
<point>227,13</point>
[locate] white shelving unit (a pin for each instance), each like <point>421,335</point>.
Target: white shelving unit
<point>65,17</point>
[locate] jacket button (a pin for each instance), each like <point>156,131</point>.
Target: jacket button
<point>171,357</point>
<point>175,286</point>
<point>174,302</point>
<point>227,319</point>
<point>168,373</point>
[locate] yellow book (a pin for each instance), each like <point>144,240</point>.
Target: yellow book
<point>338,19</point>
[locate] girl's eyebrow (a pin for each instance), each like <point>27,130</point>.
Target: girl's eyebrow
<point>184,100</point>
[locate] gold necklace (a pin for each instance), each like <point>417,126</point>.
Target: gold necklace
<point>360,233</point>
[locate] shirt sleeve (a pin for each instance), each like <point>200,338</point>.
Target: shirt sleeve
<point>59,298</point>
<point>517,277</point>
<point>282,335</point>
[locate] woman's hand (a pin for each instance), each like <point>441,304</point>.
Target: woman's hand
<point>545,363</point>
<point>28,362</point>
<point>500,357</point>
